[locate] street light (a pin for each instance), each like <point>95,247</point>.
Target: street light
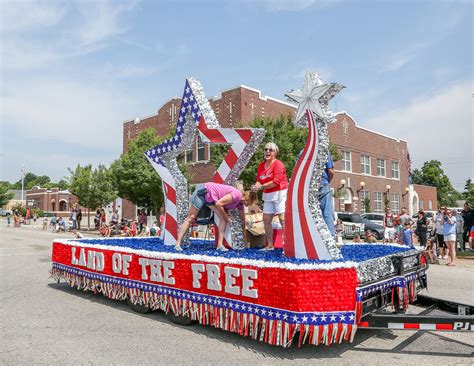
<point>362,186</point>
<point>387,187</point>
<point>406,191</point>
<point>343,183</point>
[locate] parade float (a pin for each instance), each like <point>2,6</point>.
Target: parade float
<point>312,291</point>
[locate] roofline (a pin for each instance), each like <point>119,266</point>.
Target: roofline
<point>366,129</point>
<point>151,115</point>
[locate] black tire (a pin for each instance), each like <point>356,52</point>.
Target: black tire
<point>180,320</point>
<point>379,236</point>
<point>142,309</point>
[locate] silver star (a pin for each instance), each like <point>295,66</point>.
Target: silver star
<point>313,96</point>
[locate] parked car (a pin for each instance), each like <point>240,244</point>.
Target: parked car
<point>377,230</point>
<point>353,224</point>
<point>5,212</point>
<point>375,217</point>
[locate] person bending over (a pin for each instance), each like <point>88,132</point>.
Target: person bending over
<point>219,198</point>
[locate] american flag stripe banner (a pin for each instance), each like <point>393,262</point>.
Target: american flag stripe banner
<point>408,165</point>
<point>302,239</point>
<point>196,108</point>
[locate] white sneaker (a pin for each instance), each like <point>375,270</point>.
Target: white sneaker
<point>439,257</point>
<point>445,257</point>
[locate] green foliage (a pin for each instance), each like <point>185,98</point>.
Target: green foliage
<point>335,153</point>
<point>290,141</point>
<point>31,180</point>
<point>134,177</point>
<point>20,209</point>
<point>93,187</point>
<point>432,174</point>
<point>367,204</point>
<point>5,195</point>
<point>468,193</point>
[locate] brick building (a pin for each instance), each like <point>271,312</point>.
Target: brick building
<point>372,162</point>
<point>234,106</point>
<point>423,198</point>
<point>52,201</point>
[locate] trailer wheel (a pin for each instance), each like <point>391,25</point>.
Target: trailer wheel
<point>142,309</point>
<point>178,319</point>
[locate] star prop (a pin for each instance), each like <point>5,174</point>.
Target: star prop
<point>196,113</point>
<point>314,96</point>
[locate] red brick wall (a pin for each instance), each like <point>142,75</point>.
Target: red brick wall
<point>358,141</point>
<point>426,194</point>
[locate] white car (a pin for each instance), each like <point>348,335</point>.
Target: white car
<point>376,218</point>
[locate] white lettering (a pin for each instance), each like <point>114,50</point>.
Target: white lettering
<point>248,275</point>
<point>230,276</point>
<point>155,270</point>
<point>126,259</point>
<point>73,256</point>
<point>143,262</point>
<point>197,269</point>
<point>117,263</point>
<point>213,274</point>
<point>167,275</point>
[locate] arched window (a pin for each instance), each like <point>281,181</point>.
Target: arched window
<point>63,205</point>
<point>53,205</point>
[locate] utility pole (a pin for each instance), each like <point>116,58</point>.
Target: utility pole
<point>22,182</point>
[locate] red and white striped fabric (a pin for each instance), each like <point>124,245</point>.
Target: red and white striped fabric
<point>302,239</point>
<point>170,226</point>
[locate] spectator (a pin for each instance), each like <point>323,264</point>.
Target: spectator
<point>45,223</point>
<point>459,230</point>
<point>450,235</point>
<point>468,218</point>
<point>439,230</point>
<point>77,235</point>
<point>272,180</point>
<point>53,223</point>
<point>155,229</point>
<point>389,234</point>
<point>370,237</point>
<point>74,219</point>
<point>407,235</point>
<point>430,251</point>
<point>103,218</point>
<point>97,218</point>
<point>79,219</point>
<point>145,230</point>
<point>61,225</point>
<point>357,239</point>
<point>405,217</point>
<point>422,228</point>
<point>142,219</point>
<point>398,230</point>
<point>115,218</point>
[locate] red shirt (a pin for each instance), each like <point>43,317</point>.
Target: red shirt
<point>275,173</point>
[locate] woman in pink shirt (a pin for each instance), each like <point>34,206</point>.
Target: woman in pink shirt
<point>219,198</point>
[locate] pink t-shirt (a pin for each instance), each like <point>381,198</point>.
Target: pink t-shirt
<point>216,191</point>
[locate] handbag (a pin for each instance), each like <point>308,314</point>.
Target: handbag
<point>254,223</point>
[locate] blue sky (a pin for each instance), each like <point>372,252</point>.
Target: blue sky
<point>72,72</point>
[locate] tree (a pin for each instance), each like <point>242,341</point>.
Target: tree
<point>31,180</point>
<point>5,195</point>
<point>290,141</point>
<point>134,177</point>
<point>468,193</point>
<point>432,174</point>
<point>93,187</point>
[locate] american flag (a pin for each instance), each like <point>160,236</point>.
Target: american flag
<point>408,164</point>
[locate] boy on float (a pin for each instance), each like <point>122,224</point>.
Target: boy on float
<point>219,198</point>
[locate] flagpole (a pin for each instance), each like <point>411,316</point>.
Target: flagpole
<point>22,182</point>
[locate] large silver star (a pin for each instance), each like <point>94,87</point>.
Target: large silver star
<point>313,96</point>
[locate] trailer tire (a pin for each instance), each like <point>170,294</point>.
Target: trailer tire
<point>179,319</point>
<point>142,309</point>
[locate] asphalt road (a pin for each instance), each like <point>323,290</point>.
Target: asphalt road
<point>43,322</point>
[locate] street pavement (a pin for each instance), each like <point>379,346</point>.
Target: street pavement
<point>43,322</point>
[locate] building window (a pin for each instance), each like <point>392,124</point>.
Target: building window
<point>363,196</point>
<point>200,150</point>
<point>62,205</point>
<point>395,202</point>
<point>430,205</point>
<point>346,161</point>
<point>188,156</point>
<point>422,204</point>
<point>378,202</point>
<point>365,164</point>
<point>395,170</point>
<point>381,167</point>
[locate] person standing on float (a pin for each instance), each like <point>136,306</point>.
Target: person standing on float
<point>271,178</point>
<point>325,195</point>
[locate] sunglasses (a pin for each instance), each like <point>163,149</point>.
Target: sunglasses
<point>267,149</point>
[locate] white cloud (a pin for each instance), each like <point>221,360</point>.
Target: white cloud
<point>403,57</point>
<point>295,5</point>
<point>29,15</point>
<point>71,112</point>
<point>438,126</point>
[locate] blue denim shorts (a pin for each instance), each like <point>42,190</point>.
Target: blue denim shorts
<point>198,200</point>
